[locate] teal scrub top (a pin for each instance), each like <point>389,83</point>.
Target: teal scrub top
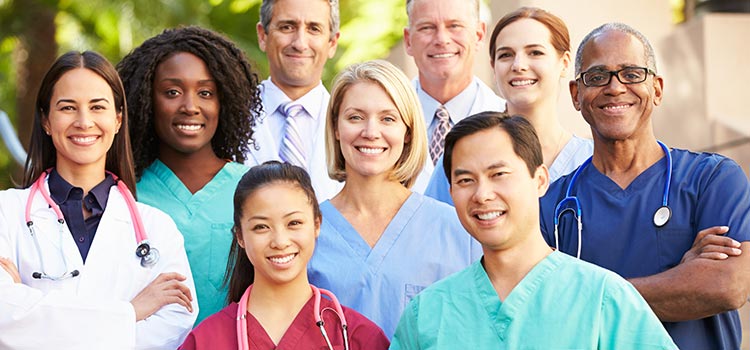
<point>205,219</point>
<point>562,303</point>
<point>423,243</point>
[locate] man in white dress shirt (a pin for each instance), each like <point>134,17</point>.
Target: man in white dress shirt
<point>443,36</point>
<point>298,37</point>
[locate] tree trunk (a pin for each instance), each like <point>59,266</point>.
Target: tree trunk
<point>35,53</point>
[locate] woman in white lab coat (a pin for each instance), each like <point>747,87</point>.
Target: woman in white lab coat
<point>72,277</point>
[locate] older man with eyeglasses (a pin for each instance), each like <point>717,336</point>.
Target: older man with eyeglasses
<point>673,222</point>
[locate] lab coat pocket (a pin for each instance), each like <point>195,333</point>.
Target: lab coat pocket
<point>672,245</point>
<point>221,240</point>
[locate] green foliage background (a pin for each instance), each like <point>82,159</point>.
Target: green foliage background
<point>369,29</point>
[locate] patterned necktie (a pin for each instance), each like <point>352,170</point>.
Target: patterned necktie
<point>292,150</point>
<point>437,142</point>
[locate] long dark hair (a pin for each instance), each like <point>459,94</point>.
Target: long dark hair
<point>236,80</point>
<point>42,153</point>
<point>239,274</point>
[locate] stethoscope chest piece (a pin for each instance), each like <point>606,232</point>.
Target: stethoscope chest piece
<point>149,256</point>
<point>662,216</point>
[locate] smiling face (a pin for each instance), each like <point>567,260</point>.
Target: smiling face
<point>443,36</point>
<point>83,120</point>
<point>616,111</point>
<point>496,199</point>
<point>527,67</point>
<point>370,131</point>
<point>278,232</point>
<point>186,105</point>
<point>298,43</point>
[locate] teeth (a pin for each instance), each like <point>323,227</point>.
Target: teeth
<point>83,139</point>
<point>522,82</point>
<point>489,216</point>
<point>189,127</point>
<point>616,107</point>
<point>370,150</point>
<point>282,260</point>
<point>443,55</point>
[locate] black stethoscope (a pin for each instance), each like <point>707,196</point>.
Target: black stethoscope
<point>661,216</point>
<point>244,343</point>
<point>149,256</point>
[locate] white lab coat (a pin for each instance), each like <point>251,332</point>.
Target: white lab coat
<point>93,310</point>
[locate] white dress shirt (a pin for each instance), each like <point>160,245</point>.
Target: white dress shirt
<point>269,134</point>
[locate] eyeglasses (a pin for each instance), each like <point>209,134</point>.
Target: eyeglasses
<point>627,75</point>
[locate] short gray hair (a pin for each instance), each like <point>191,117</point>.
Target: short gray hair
<point>474,6</point>
<point>266,13</point>
<point>620,27</point>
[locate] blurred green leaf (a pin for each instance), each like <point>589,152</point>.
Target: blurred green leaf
<point>113,28</point>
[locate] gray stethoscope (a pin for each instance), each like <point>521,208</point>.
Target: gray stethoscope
<point>149,256</point>
<point>661,216</point>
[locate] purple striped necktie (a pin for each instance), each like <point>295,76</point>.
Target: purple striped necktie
<point>437,141</point>
<point>292,150</point>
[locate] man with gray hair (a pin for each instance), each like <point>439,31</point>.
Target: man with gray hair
<point>673,222</point>
<point>443,36</point>
<point>298,37</point>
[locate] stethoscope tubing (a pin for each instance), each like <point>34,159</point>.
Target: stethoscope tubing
<point>577,212</point>
<point>242,337</point>
<point>39,186</point>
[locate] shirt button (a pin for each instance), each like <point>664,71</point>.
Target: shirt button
<point>81,239</point>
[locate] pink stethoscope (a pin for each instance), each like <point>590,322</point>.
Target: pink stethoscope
<point>149,256</point>
<point>244,343</point>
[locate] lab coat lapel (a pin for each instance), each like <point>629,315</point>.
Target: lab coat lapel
<point>112,249</point>
<point>57,246</point>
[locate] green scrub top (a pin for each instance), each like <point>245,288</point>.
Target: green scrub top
<point>205,219</point>
<point>562,303</point>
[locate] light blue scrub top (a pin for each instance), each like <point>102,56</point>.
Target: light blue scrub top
<point>575,152</point>
<point>619,234</point>
<point>422,244</point>
<point>205,220</point>
<point>562,303</point>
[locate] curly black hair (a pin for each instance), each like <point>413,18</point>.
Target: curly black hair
<point>237,82</point>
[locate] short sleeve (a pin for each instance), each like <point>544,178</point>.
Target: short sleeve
<point>407,331</point>
<point>627,320</point>
<point>724,199</point>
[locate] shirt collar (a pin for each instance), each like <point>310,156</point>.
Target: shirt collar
<point>458,107</point>
<point>61,191</point>
<point>311,101</point>
<point>100,194</point>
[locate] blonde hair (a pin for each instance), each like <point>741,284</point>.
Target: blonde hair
<point>403,95</point>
